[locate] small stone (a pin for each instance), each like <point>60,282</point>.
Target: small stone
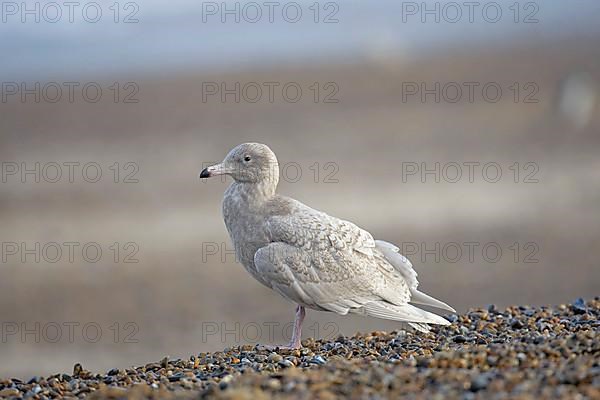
<point>77,369</point>
<point>273,384</point>
<point>9,392</point>
<point>164,362</point>
<point>517,324</point>
<point>538,339</point>
<point>579,306</point>
<point>73,385</point>
<point>452,318</point>
<point>478,383</point>
<point>423,362</point>
<point>317,360</point>
<point>459,339</point>
<point>176,377</point>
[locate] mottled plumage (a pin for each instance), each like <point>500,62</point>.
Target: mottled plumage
<point>311,258</point>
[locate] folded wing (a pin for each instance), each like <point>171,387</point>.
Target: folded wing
<point>330,264</point>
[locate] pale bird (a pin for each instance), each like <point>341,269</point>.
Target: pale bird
<point>309,257</point>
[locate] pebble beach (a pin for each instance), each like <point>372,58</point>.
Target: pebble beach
<point>520,352</point>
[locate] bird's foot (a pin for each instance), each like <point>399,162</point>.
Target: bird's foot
<point>289,346</point>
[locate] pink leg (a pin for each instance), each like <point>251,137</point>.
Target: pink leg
<point>296,341</point>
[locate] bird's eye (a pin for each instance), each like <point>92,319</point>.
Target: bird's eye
<point>247,158</point>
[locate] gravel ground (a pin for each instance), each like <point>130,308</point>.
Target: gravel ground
<point>518,353</point>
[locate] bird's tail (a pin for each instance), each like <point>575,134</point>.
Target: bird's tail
<point>416,317</point>
<point>405,268</point>
<point>417,297</point>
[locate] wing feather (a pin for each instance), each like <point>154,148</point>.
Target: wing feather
<point>330,264</point>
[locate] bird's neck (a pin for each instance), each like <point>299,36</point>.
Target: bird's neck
<point>254,194</point>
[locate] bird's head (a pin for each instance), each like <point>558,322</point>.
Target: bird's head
<point>249,163</point>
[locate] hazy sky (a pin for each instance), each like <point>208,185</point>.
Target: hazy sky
<point>99,38</point>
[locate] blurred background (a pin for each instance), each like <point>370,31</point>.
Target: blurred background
<point>466,134</point>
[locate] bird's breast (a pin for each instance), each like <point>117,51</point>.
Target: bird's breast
<point>245,230</point>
